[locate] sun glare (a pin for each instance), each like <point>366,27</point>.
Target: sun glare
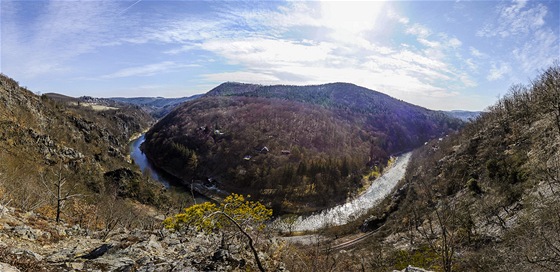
<point>352,16</point>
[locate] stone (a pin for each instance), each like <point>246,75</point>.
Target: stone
<point>57,257</point>
<point>75,266</point>
<point>221,255</point>
<point>116,264</point>
<point>26,253</point>
<point>27,232</point>
<point>153,244</point>
<point>4,267</point>
<point>97,252</point>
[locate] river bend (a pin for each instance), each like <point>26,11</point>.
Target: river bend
<point>344,213</point>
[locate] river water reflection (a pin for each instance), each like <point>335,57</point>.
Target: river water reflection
<point>170,182</point>
<point>142,161</point>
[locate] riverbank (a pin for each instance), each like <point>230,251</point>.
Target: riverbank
<point>170,182</point>
<point>344,213</point>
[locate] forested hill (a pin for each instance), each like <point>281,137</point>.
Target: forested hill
<point>294,147</point>
<point>410,124</point>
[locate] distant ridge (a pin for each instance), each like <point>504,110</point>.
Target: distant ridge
<point>156,106</point>
<point>464,115</point>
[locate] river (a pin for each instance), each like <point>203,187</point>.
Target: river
<point>170,182</point>
<point>145,165</point>
<point>344,213</point>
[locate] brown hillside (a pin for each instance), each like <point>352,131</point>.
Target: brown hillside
<point>488,198</point>
<point>45,142</point>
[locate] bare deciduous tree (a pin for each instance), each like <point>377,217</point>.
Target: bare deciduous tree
<point>59,192</point>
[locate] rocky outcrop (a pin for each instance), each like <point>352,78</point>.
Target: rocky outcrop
<point>29,242</point>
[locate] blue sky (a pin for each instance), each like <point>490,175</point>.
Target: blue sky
<point>437,54</point>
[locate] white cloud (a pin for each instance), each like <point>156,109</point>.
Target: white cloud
<point>454,43</point>
<point>182,49</point>
<point>541,51</point>
<point>437,45</point>
<point>251,77</point>
<point>419,30</point>
<point>428,43</point>
<point>391,14</point>
<point>496,72</point>
<point>467,80</point>
<point>148,70</point>
<point>476,53</point>
<point>470,63</point>
<point>262,52</point>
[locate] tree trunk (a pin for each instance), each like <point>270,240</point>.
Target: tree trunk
<point>255,253</point>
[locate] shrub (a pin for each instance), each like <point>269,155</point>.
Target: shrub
<point>234,211</point>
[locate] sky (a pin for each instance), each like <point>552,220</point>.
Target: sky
<point>441,55</point>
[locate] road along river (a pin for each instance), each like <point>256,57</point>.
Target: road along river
<point>344,213</point>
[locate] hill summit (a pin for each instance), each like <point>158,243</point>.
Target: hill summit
<point>297,148</point>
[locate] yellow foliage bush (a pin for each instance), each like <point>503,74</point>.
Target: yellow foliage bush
<point>203,217</point>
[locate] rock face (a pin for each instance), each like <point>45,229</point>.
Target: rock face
<point>30,243</point>
<point>53,141</point>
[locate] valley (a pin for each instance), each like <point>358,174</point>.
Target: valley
<point>360,175</point>
<point>284,136</point>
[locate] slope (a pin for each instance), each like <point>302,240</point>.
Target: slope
<point>47,144</point>
<point>486,199</point>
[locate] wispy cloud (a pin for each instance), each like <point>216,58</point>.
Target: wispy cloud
<point>148,70</point>
<point>60,31</point>
<point>476,53</point>
<point>419,30</point>
<point>522,24</point>
<point>266,58</point>
<point>498,72</point>
<point>541,51</point>
<point>515,19</point>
